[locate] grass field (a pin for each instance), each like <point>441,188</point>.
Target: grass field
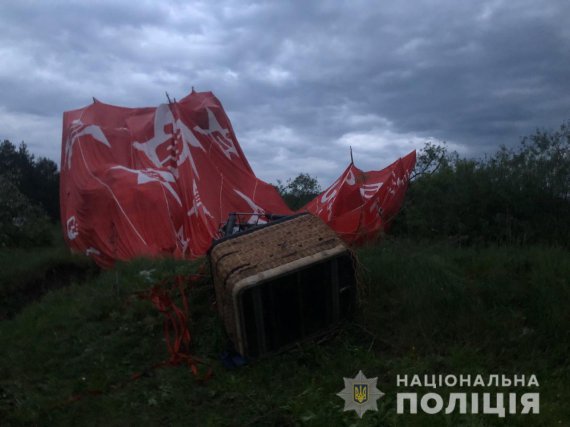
<point>26,274</point>
<point>428,309</point>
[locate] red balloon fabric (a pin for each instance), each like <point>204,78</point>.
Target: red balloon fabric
<point>161,181</point>
<point>359,205</point>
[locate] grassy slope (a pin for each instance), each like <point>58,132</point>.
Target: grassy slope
<point>28,273</point>
<point>428,310</point>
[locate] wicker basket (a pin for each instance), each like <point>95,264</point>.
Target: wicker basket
<point>281,283</point>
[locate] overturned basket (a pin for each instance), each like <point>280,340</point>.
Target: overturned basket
<point>281,283</point>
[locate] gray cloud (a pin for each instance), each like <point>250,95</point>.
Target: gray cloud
<point>301,81</point>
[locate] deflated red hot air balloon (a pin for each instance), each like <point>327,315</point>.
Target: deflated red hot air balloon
<point>162,181</point>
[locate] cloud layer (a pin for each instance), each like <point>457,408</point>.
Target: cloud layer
<point>301,81</point>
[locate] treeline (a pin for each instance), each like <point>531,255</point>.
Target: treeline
<point>515,196</point>
<point>29,196</point>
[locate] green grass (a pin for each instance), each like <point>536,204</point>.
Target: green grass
<point>25,274</point>
<point>427,309</point>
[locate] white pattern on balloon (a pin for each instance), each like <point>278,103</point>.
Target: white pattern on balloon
<point>163,120</point>
<point>183,241</point>
<point>219,134</point>
<point>367,191</point>
<point>145,176</point>
<point>77,130</point>
<point>72,228</point>
<point>257,210</point>
<point>198,204</point>
<point>92,251</point>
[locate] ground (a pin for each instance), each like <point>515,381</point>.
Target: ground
<point>69,352</point>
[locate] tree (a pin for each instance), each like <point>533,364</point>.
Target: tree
<point>22,223</point>
<point>37,180</point>
<point>518,195</point>
<point>29,196</point>
<point>298,192</point>
<point>431,158</point>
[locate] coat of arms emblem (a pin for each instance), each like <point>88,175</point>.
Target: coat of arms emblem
<point>360,394</point>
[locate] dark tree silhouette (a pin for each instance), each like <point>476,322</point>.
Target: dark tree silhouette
<point>38,180</point>
<point>299,191</point>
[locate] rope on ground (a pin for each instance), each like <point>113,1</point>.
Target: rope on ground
<point>175,328</point>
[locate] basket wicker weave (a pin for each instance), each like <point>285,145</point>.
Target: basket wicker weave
<point>266,253</point>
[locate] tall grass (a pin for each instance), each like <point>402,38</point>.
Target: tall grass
<point>27,273</point>
<point>427,309</point>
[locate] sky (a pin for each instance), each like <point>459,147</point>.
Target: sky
<point>301,81</point>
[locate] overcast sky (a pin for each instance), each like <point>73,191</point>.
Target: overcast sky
<point>300,81</point>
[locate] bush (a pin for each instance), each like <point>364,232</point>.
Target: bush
<point>518,195</point>
<point>37,179</point>
<point>22,223</point>
<point>298,192</point>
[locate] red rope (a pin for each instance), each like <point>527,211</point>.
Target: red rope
<point>175,329</point>
<point>175,325</point>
